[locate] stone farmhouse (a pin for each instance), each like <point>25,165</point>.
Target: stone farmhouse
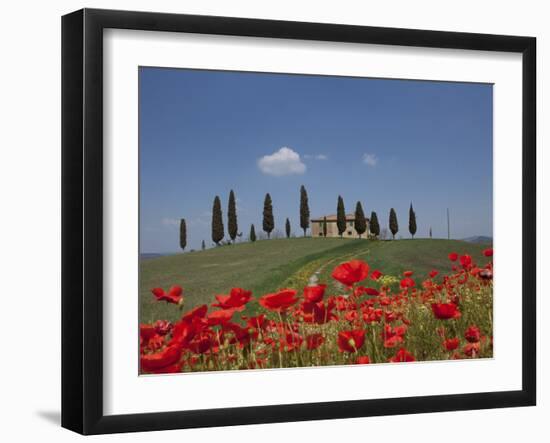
<point>317,227</point>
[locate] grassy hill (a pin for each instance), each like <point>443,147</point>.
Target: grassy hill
<point>267,265</point>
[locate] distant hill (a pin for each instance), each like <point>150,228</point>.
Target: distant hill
<point>479,239</point>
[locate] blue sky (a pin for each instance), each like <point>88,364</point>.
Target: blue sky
<point>386,143</point>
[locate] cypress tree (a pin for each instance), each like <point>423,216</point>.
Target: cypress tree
<point>252,233</point>
<point>217,221</point>
<point>374,225</point>
<point>304,210</point>
<point>394,228</point>
<point>412,221</point>
<point>360,221</point>
<point>325,226</point>
<point>232,227</point>
<point>287,228</point>
<point>183,234</point>
<point>268,222</point>
<point>203,245</point>
<point>341,216</point>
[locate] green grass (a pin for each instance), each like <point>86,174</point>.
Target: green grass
<point>268,265</point>
<point>420,256</point>
<point>261,267</point>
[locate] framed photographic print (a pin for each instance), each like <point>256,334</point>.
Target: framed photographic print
<point>269,221</point>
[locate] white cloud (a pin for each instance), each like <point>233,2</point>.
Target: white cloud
<point>283,162</point>
<point>370,159</point>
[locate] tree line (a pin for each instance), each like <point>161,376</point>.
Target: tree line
<point>268,220</point>
<point>360,221</point>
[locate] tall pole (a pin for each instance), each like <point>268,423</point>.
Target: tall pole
<point>448,226</point>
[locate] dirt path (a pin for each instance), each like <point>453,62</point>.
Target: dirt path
<point>314,279</point>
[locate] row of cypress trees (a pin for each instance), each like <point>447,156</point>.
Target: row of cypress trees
<point>218,232</point>
<point>394,227</point>
<point>360,223</point>
<point>268,222</point>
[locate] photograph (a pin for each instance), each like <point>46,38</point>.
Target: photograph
<point>297,220</point>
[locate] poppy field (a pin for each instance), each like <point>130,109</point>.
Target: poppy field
<point>363,316</point>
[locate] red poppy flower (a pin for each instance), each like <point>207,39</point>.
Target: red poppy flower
<point>146,332</point>
<point>393,342</point>
<point>258,322</point>
<point>196,312</point>
<point>488,252</point>
<point>369,291</point>
<point>445,311</point>
<point>351,272</point>
<point>402,356</point>
<point>237,298</point>
<point>433,273</point>
<point>182,333</point>
<point>319,313</point>
<point>351,341</point>
<point>472,334</point>
<point>163,327</point>
<point>314,294</point>
<point>453,256</point>
<point>160,360</point>
<point>313,341</point>
<point>202,343</point>
<point>290,341</point>
<point>393,336</point>
<point>400,330</point>
<point>242,335</point>
<point>407,273</point>
<point>173,296</point>
<point>363,360</point>
<point>174,369</point>
<point>279,301</point>
<point>465,261</point>
<point>376,274</point>
<point>407,282</point>
<point>451,344</point>
<point>155,342</point>
<point>220,317</point>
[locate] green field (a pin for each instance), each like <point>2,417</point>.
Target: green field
<point>268,265</point>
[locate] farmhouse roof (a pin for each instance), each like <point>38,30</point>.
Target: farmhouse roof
<point>333,217</point>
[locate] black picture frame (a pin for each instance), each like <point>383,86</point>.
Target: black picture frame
<point>82,218</point>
